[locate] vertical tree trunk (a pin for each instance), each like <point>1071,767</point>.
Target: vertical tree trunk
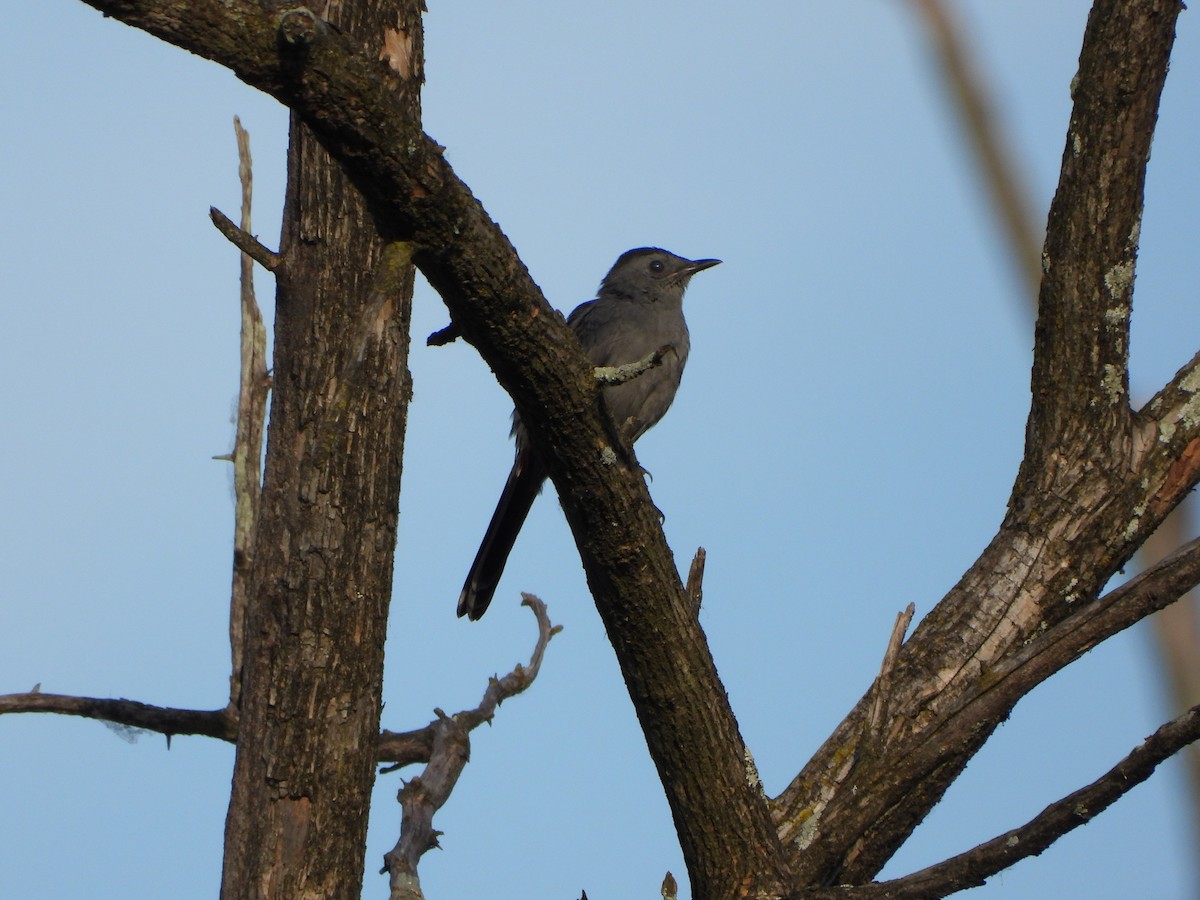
<point>325,543</point>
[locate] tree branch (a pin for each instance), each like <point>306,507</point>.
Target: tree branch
<point>973,868</point>
<point>694,589</point>
<point>217,723</point>
<point>449,745</point>
<point>1168,438</point>
<point>1015,676</point>
<point>245,241</point>
<point>1081,348</point>
<point>882,689</point>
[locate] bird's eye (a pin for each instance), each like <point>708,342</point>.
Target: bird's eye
<point>656,266</point>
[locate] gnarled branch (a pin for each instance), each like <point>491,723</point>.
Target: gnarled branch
<point>449,749</point>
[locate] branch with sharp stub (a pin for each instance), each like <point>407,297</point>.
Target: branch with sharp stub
<point>694,589</point>
<point>883,684</point>
<point>245,241</point>
<point>447,746</point>
<point>217,723</point>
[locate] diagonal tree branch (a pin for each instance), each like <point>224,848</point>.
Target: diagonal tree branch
<point>1030,665</point>
<point>240,237</point>
<point>1081,349</point>
<point>973,868</point>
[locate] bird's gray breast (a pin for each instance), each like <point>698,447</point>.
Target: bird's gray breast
<point>616,332</point>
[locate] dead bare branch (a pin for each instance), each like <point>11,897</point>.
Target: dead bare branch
<point>241,238</point>
<point>253,388</point>
<point>449,743</point>
<point>217,723</point>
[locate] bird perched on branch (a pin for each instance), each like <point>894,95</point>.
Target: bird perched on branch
<point>637,311</point>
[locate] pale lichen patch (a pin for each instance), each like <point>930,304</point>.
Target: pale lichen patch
<point>1135,232</point>
<point>752,778</point>
<point>1135,522</point>
<point>1113,383</point>
<point>1119,279</point>
<point>807,832</point>
<point>1116,315</point>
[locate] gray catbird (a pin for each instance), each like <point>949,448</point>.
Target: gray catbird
<point>638,309</point>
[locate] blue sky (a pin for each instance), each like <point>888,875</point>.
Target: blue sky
<point>844,441</point>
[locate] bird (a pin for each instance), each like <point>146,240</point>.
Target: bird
<point>637,311</point>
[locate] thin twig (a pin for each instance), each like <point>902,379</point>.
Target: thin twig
<point>245,241</point>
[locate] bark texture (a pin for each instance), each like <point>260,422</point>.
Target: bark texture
<point>326,531</point>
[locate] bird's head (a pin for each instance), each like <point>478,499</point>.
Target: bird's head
<point>651,273</point>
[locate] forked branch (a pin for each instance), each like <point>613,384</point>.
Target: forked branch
<point>973,868</point>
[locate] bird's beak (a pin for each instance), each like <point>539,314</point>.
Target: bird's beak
<point>699,265</point>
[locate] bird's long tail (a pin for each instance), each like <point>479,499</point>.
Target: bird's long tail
<point>523,485</point>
